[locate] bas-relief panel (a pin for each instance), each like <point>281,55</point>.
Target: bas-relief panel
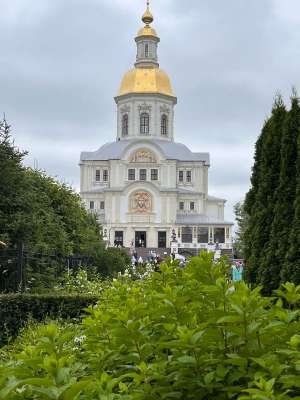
<point>141,203</point>
<point>143,156</point>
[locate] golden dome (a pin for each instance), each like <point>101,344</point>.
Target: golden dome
<point>146,80</point>
<point>147,31</point>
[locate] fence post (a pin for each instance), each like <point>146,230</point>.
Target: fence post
<point>20,255</point>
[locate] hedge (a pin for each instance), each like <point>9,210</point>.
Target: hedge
<point>17,309</point>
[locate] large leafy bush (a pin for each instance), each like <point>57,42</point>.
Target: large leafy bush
<point>180,334</point>
<point>17,309</point>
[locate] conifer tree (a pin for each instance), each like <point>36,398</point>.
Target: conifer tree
<point>277,247</point>
<point>10,182</point>
<point>291,267</point>
<point>260,201</point>
<point>250,206</point>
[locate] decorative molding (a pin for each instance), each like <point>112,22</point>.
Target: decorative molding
<point>141,203</point>
<point>125,109</point>
<point>145,108</point>
<point>143,156</point>
<point>164,109</point>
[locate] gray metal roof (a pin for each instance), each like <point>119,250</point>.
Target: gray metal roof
<point>171,151</point>
<point>213,198</point>
<point>198,219</point>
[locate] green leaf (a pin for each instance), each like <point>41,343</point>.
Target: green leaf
<point>196,337</point>
<point>186,360</point>
<point>208,378</point>
<point>229,319</point>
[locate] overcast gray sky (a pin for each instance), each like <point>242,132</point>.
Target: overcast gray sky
<point>61,63</point>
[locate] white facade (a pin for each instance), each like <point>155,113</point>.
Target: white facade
<point>144,186</point>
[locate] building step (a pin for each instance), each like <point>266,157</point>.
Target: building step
<point>144,252</point>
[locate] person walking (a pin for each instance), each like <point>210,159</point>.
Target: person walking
<point>237,272</point>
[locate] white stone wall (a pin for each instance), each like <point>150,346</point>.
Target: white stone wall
<point>116,193</point>
<point>156,105</point>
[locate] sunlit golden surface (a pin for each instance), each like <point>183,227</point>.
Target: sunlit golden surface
<point>146,80</point>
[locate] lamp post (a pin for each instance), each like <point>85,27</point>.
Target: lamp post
<point>174,243</point>
<point>217,255</point>
<point>105,237</point>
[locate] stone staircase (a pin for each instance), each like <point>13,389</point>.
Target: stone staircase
<point>144,252</point>
<point>227,252</point>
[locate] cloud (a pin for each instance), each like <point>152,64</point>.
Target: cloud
<point>62,62</point>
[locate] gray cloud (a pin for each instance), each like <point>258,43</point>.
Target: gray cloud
<point>61,63</point>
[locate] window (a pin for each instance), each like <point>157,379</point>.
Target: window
<point>219,234</point>
<point>187,235</point>
<point>105,175</point>
<point>154,174</point>
<point>92,205</point>
<point>143,174</point>
<point>192,206</point>
<point>181,205</point>
<point>119,238</point>
<point>202,235</point>
<point>102,205</point>
<point>144,123</point>
<point>164,125</point>
<point>146,50</point>
<point>189,176</point>
<point>131,174</point>
<point>125,125</point>
<point>180,176</point>
<point>97,175</point>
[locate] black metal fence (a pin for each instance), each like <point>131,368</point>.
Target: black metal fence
<point>18,267</point>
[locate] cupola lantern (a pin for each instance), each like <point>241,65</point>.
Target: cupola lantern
<point>147,41</point>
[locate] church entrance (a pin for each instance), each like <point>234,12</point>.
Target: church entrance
<point>140,239</point>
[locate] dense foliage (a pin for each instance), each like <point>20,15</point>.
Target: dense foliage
<point>17,309</point>
<point>48,219</point>
<point>179,334</point>
<point>242,222</point>
<point>272,206</point>
<point>45,214</point>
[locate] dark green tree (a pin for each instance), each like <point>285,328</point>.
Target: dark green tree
<point>260,201</point>
<point>49,220</point>
<point>11,183</point>
<point>278,245</point>
<point>291,267</point>
<point>242,223</point>
<point>251,205</point>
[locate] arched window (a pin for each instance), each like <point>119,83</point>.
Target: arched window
<point>144,124</point>
<point>146,50</point>
<point>164,125</point>
<point>125,125</point>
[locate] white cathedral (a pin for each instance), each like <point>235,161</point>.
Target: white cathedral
<point>146,189</point>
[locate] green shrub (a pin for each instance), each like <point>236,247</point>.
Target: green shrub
<point>184,334</point>
<point>16,309</point>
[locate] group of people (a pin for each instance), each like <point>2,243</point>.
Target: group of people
<point>152,258</point>
<point>237,269</point>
